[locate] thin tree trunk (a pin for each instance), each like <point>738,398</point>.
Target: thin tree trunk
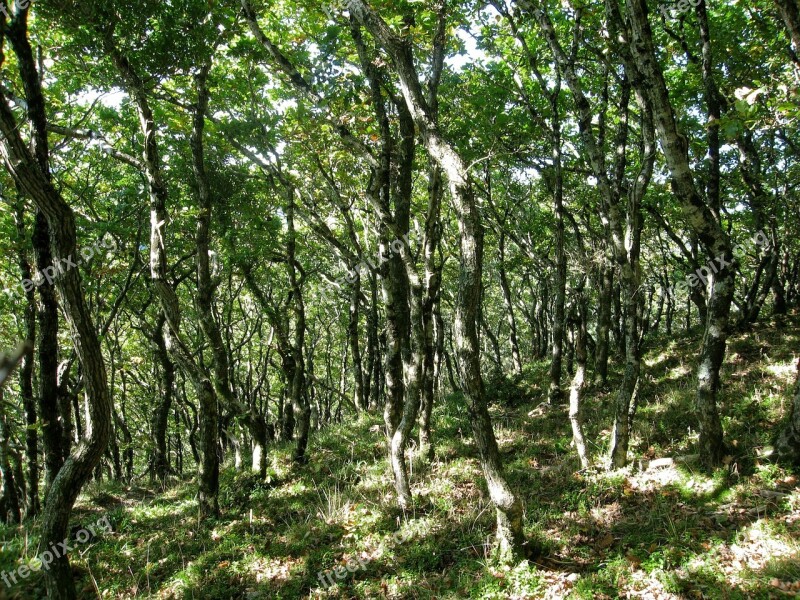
<point>509,304</point>
<point>355,349</point>
<point>640,54</point>
<point>10,497</point>
<point>575,413</point>
<point>164,292</point>
<point>555,395</point>
<point>603,324</point>
<point>32,507</point>
<point>509,508</point>
<point>432,332</point>
<point>302,410</point>
<point>47,354</point>
<point>374,371</point>
<point>31,173</point>
<point>159,461</point>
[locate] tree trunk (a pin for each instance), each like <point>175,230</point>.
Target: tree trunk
<point>163,290</point>
<point>575,414</point>
<point>302,410</point>
<point>555,395</point>
<point>639,52</point>
<point>31,174</point>
<point>374,373</point>
<point>433,334</point>
<point>159,461</point>
<point>355,349</point>
<point>47,354</point>
<point>603,324</point>
<point>10,496</point>
<point>509,304</point>
<point>790,13</point>
<point>32,505</point>
<point>510,536</point>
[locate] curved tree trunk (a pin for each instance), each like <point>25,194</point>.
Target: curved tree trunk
<point>639,54</point>
<point>31,174</point>
<point>162,287</point>
<point>575,414</point>
<point>510,536</point>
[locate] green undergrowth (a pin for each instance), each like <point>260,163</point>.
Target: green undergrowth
<point>670,532</point>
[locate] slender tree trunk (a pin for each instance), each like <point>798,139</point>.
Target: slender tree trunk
<point>159,460</point>
<point>493,343</point>
<point>355,349</point>
<point>555,393</point>
<point>373,384</point>
<point>509,508</point>
<point>621,431</point>
<point>575,413</point>
<point>509,304</point>
<point>163,290</point>
<point>10,497</point>
<point>209,406</point>
<point>302,410</point>
<point>26,370</point>
<point>639,52</point>
<point>47,354</point>
<point>603,324</point>
<point>433,334</point>
<point>30,172</point>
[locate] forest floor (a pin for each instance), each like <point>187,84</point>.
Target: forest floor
<point>653,530</point>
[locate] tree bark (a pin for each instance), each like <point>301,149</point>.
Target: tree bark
<point>159,461</point>
<point>510,536</point>
<point>168,299</point>
<point>638,52</point>
<point>603,323</point>
<point>575,413</point>
<point>555,394</point>
<point>32,505</point>
<point>31,175</point>
<point>11,512</point>
<point>360,398</point>
<point>509,304</point>
<point>302,410</point>
<point>790,13</point>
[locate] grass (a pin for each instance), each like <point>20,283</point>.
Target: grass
<point>671,532</point>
